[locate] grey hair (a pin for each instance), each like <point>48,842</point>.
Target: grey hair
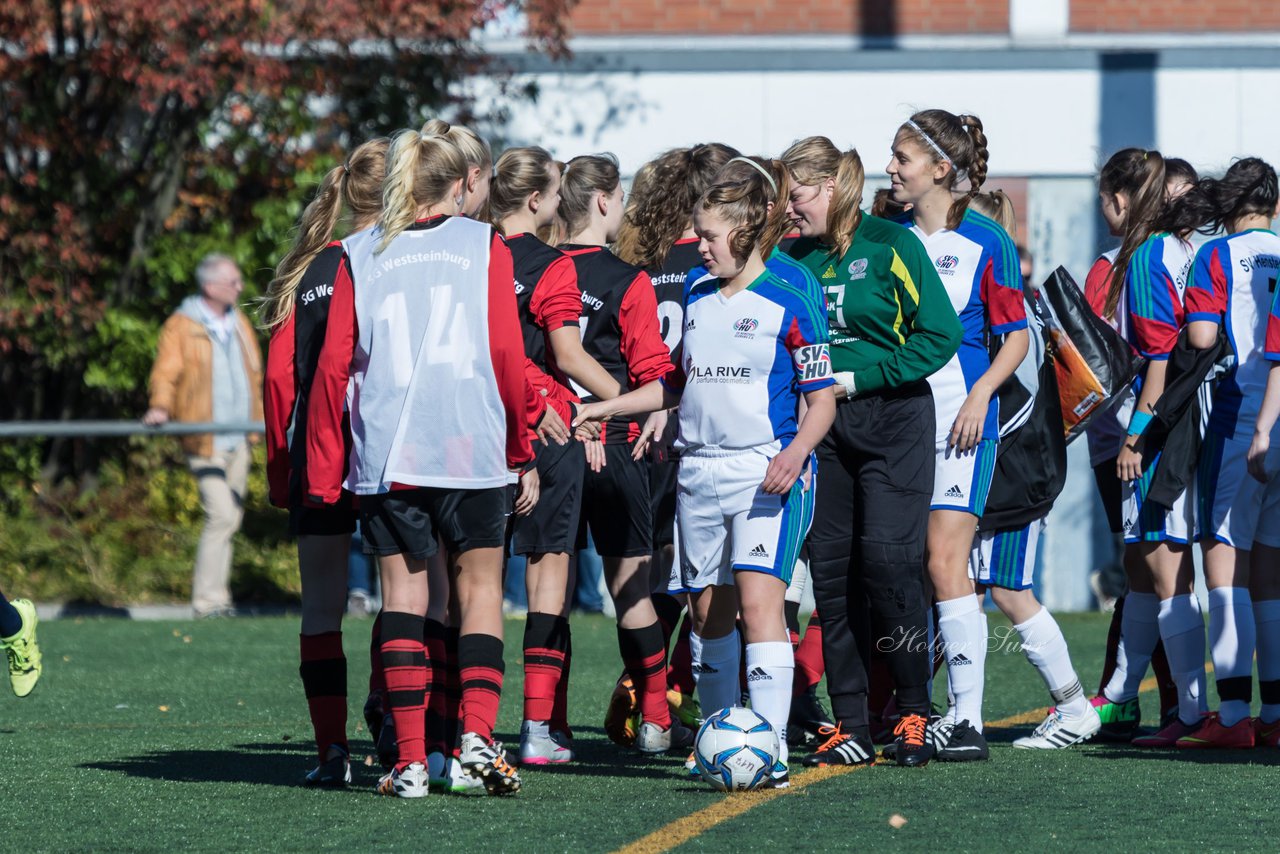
<point>209,264</point>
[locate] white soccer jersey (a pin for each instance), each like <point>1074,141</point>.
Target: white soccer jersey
<point>978,265</point>
<point>1232,283</point>
<point>746,360</point>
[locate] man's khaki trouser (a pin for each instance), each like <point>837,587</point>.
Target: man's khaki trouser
<point>222,480</point>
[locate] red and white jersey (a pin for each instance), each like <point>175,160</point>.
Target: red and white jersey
<point>425,342</point>
<point>1233,282</point>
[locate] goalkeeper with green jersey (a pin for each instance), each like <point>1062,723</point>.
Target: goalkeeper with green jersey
<point>891,326</point>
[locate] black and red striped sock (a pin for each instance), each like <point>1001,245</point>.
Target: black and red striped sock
<point>377,680</point>
<point>405,666</point>
<point>680,666</point>
<point>809,663</point>
<point>560,709</point>
<point>544,655</point>
<point>433,634</point>
<point>451,711</point>
<point>324,679</point>
<point>791,615</point>
<point>668,608</point>
<point>645,658</point>
<point>480,667</point>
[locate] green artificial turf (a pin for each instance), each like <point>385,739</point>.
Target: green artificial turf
<point>147,736</point>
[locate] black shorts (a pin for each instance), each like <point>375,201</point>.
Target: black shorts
<point>617,507</point>
<point>413,522</point>
<point>552,527</point>
<point>662,490</point>
<point>1109,491</point>
<point>337,518</point>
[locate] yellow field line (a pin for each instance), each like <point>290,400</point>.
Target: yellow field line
<point>695,824</point>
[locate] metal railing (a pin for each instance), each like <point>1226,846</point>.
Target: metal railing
<point>81,429</point>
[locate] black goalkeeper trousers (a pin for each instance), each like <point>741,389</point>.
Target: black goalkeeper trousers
<point>866,548</point>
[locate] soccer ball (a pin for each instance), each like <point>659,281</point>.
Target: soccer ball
<point>736,750</point>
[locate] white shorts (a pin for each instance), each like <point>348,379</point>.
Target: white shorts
<point>1234,508</point>
<point>1006,558</point>
<point>961,481</point>
<point>729,524</point>
<point>1150,522</point>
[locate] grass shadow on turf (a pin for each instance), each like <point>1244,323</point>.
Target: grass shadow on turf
<point>271,764</point>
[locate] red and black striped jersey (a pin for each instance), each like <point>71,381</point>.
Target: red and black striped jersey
<point>291,366</point>
<point>668,288</point>
<point>619,324</point>
<point>546,293</point>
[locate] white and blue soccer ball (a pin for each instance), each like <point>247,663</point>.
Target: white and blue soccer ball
<point>736,750</point>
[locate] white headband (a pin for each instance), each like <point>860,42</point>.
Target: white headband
<point>961,174</point>
<point>760,169</point>
<point>938,148</point>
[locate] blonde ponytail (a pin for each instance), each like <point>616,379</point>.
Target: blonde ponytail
<point>357,185</point>
<point>815,160</point>
<point>421,170</point>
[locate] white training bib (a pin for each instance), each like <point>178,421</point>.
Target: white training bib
<point>423,399</point>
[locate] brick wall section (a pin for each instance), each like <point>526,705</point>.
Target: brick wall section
<point>1178,16</point>
<point>768,17</point>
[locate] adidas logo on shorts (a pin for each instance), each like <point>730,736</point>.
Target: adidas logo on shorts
<point>954,492</point>
<point>699,667</point>
<point>758,551</point>
<point>757,674</point>
<point>959,660</point>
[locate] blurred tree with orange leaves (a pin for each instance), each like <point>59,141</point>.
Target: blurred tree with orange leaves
<point>137,134</point>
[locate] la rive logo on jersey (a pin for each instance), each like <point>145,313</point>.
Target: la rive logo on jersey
<point>858,269</point>
<point>745,327</point>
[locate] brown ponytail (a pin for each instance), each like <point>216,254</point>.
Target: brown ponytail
<point>357,184</point>
<point>583,177</point>
<point>815,160</point>
<point>1140,175</point>
<point>744,202</point>
<point>520,172</point>
<point>662,199</point>
<point>960,140</point>
<point>777,223</point>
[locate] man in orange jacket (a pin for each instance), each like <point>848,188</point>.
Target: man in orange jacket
<point>209,369</point>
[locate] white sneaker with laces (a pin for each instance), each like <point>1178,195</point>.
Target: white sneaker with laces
<point>407,782</point>
<point>539,747</point>
<point>651,738</point>
<point>486,761</point>
<point>1058,731</point>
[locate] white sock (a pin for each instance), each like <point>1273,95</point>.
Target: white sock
<point>1266,615</point>
<point>1139,634</point>
<point>1232,638</point>
<point>963,628</point>
<point>1046,649</point>
<point>1182,630</point>
<point>770,670</point>
<point>715,670</point>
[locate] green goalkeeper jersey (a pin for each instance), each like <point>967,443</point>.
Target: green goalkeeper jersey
<point>891,321</point>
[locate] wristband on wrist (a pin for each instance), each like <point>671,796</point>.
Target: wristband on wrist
<point>1138,423</point>
<point>846,381</point>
